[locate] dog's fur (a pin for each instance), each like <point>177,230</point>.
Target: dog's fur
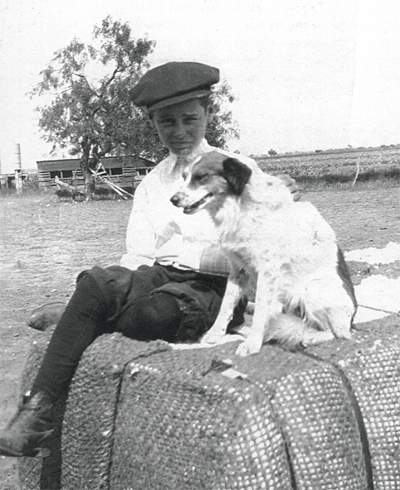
<point>283,250</point>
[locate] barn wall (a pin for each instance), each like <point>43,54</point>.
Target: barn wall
<point>125,171</point>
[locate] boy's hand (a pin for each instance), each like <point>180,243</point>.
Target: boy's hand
<point>291,185</point>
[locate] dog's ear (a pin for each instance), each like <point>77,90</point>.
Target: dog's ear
<point>237,174</point>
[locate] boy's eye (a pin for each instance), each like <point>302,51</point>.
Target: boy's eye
<point>166,122</point>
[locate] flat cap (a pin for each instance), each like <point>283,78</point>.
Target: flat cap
<point>173,83</point>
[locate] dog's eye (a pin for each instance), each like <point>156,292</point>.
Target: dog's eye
<point>201,178</point>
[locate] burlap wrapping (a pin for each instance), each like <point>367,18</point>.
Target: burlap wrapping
<point>143,416</point>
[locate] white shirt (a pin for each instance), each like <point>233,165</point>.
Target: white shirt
<point>160,232</point>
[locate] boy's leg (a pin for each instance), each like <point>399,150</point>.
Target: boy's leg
<point>152,302</point>
<point>81,323</point>
<point>98,299</point>
<point>194,301</point>
<point>32,423</point>
<point>151,317</point>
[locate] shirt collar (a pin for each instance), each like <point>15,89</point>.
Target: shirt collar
<point>177,162</point>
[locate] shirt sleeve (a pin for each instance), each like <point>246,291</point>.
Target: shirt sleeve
<point>140,236</point>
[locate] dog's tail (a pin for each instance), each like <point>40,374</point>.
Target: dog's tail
<point>292,331</point>
<point>287,329</point>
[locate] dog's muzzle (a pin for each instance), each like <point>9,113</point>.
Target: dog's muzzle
<point>178,200</point>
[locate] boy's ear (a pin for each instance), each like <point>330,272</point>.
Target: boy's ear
<point>210,113</point>
<point>150,120</point>
<point>237,174</point>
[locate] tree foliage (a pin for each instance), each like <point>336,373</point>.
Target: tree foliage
<point>223,127</point>
<point>89,113</point>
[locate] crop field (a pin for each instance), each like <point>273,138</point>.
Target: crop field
<point>337,167</point>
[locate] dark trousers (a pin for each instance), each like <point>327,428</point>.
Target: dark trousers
<point>149,303</point>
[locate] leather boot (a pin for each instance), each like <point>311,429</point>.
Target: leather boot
<point>46,316</point>
<point>29,428</point>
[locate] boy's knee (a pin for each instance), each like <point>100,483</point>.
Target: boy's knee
<point>152,317</point>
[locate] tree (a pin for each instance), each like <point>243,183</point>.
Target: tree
<point>223,127</point>
<point>90,113</point>
<point>93,116</point>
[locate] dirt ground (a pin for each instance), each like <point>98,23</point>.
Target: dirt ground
<point>45,243</point>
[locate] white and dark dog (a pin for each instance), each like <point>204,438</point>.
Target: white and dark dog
<point>283,250</point>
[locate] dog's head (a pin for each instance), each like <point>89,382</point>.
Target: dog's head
<point>209,181</point>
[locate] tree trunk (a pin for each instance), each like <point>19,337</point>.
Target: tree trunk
<point>90,184</point>
<point>89,179</point>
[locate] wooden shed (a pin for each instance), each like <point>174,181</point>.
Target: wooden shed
<point>125,171</point>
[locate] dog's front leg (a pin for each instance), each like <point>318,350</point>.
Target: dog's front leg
<point>230,300</point>
<point>267,306</point>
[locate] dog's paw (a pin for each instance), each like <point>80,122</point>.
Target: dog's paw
<point>314,337</point>
<point>248,347</point>
<point>212,337</point>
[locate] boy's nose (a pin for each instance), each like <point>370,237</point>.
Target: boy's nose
<point>179,129</point>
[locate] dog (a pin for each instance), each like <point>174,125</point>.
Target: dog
<point>283,250</point>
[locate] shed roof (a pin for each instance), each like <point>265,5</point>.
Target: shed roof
<point>108,162</point>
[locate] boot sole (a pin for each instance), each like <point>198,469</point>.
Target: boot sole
<point>36,452</point>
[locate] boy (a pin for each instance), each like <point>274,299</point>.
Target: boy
<point>171,280</point>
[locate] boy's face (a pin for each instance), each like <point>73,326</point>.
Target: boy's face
<point>182,126</point>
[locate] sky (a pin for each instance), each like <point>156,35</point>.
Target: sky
<point>307,74</point>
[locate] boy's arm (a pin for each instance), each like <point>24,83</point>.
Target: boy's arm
<point>285,178</point>
<point>140,235</point>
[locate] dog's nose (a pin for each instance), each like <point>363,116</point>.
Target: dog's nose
<point>175,199</point>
